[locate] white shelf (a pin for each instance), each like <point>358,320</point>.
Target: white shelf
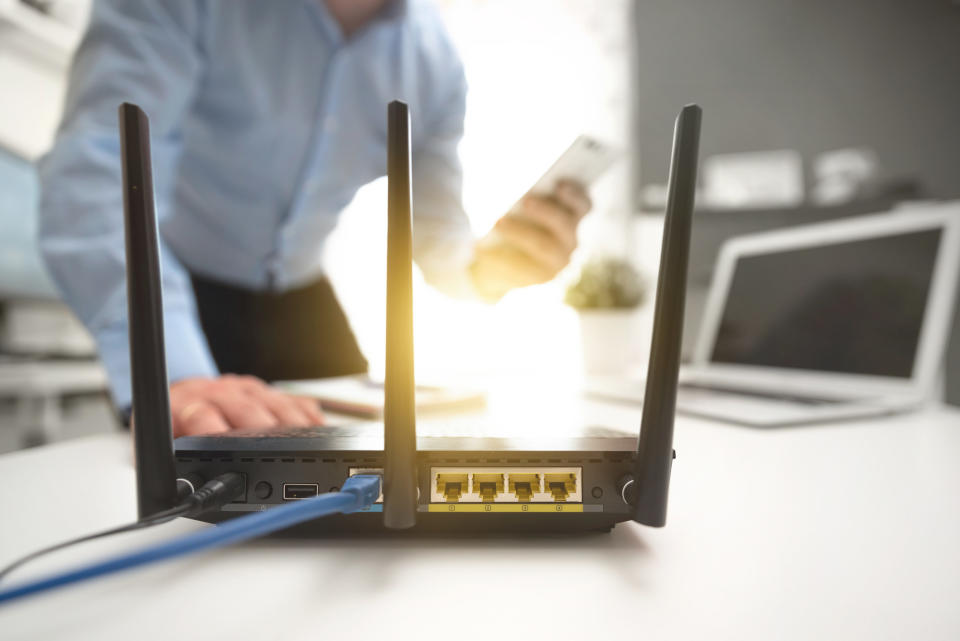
<point>56,39</point>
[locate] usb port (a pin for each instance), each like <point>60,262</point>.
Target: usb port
<point>297,491</point>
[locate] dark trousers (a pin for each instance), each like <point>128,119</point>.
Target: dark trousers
<point>301,333</point>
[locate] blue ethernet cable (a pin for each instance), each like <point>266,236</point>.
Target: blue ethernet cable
<point>358,492</point>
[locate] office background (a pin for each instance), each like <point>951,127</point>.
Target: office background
<point>540,73</point>
<point>874,74</point>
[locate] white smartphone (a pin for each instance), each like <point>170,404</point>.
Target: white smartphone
<point>585,160</point>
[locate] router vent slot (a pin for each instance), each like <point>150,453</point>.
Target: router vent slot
<point>286,460</point>
<point>246,460</point>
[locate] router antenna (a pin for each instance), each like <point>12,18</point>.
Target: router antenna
<point>399,417</point>
<point>646,489</point>
<point>153,437</point>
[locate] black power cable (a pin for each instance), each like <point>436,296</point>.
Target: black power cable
<point>358,492</point>
<point>216,492</point>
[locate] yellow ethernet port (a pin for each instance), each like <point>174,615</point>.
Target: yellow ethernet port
<point>488,486</point>
<point>506,484</point>
<point>452,486</point>
<point>560,486</point>
<point>523,486</point>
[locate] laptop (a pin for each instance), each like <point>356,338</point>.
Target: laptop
<point>447,482</point>
<point>824,322</point>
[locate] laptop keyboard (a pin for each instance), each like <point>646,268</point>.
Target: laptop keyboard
<point>693,388</point>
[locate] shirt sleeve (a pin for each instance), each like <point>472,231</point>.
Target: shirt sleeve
<point>148,53</point>
<point>443,241</point>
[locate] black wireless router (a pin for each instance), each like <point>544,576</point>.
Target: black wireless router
<point>431,483</point>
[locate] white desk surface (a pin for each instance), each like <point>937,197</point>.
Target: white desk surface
<point>848,531</point>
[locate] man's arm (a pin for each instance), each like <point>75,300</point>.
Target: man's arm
<point>151,54</point>
<point>146,53</point>
<point>443,241</point>
<point>527,247</point>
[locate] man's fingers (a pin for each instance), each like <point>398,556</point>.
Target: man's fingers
<point>287,411</point>
<point>311,408</point>
<point>573,197</point>
<point>211,405</point>
<point>243,411</point>
<point>511,266</point>
<point>199,418</point>
<point>552,217</point>
<point>506,267</point>
<point>537,243</point>
<point>245,382</point>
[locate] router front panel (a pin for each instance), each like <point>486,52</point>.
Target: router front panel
<point>457,490</point>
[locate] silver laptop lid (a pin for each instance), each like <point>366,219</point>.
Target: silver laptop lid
<point>860,305</point>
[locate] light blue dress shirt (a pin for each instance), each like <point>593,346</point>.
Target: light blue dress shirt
<point>265,121</point>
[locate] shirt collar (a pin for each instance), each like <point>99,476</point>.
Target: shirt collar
<point>394,12</point>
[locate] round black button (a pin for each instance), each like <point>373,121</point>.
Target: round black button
<point>597,492</point>
<point>262,490</point>
<point>627,487</point>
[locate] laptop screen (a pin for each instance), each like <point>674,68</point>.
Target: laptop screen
<point>854,307</point>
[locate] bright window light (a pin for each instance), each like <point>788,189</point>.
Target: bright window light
<point>540,72</point>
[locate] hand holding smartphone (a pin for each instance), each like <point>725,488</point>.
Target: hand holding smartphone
<point>585,160</point>
<point>533,242</point>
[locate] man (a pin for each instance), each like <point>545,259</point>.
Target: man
<point>266,118</point>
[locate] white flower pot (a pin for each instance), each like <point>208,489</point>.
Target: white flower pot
<point>614,341</point>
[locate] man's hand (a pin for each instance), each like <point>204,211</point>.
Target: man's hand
<point>216,405</point>
<point>532,245</point>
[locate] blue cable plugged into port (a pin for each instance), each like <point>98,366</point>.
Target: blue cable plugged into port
<point>358,492</point>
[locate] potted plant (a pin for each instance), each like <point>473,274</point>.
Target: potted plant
<point>608,294</point>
